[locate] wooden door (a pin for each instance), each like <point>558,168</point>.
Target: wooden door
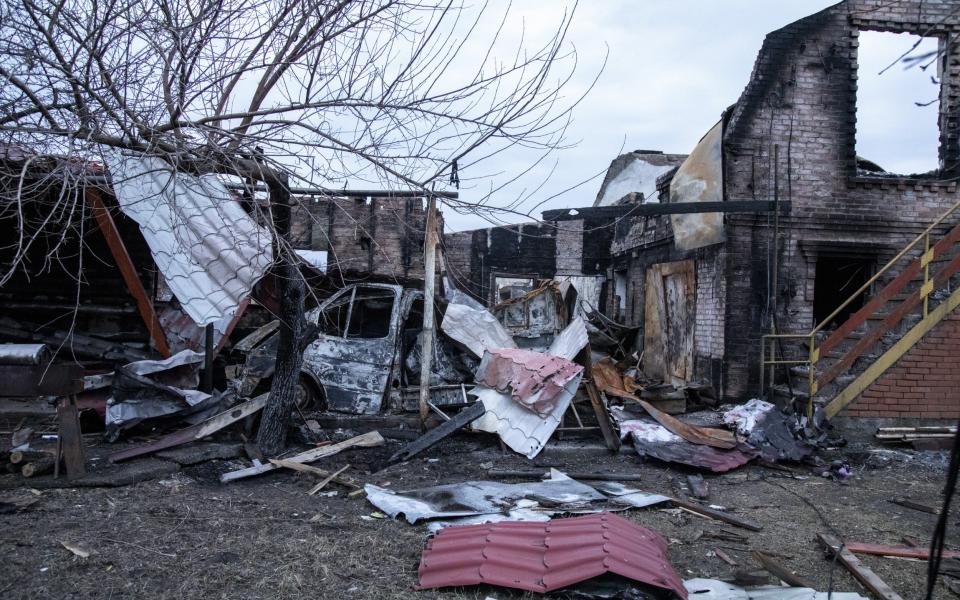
<point>669,314</point>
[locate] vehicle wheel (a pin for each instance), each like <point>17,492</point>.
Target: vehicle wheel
<point>308,397</point>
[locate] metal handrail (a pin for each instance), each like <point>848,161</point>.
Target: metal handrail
<point>814,351</point>
<point>885,268</point>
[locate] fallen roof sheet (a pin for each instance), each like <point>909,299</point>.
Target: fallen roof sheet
<point>476,328</point>
<point>209,250</point>
<point>533,379</point>
<point>656,441</point>
<point>521,429</point>
<point>708,436</point>
<point>769,430</point>
<point>472,498</point>
<point>542,557</point>
<point>711,589</point>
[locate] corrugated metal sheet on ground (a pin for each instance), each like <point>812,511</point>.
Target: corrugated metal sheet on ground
<point>541,557</point>
<point>711,589</point>
<point>209,250</point>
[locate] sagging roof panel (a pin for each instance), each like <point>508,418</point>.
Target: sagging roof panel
<point>209,250</point>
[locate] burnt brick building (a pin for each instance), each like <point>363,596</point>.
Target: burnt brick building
<point>814,255</point>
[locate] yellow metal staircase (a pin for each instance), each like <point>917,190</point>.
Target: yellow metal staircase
<point>833,367</point>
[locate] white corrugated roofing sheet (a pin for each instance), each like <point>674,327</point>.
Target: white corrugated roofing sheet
<point>522,430</point>
<point>209,250</point>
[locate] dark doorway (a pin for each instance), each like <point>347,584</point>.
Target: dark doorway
<point>836,280</point>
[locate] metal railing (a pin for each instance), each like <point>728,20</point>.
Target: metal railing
<point>771,359</point>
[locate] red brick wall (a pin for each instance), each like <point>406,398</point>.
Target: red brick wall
<point>923,384</point>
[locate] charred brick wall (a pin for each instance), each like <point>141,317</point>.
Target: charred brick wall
<point>792,136</point>
<point>923,384</point>
<point>476,257</point>
<point>364,236</point>
<point>642,242</point>
<point>544,250</point>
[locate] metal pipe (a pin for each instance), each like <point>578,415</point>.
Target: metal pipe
<point>209,348</point>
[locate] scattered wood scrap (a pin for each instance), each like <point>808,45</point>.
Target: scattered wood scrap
<point>781,572</point>
<point>717,514</point>
<point>195,432</point>
<point>328,479</point>
<point>863,574</point>
<point>367,440</point>
<point>724,557</point>
<point>907,503</point>
<point>448,427</point>
<point>897,551</point>
<point>326,476</point>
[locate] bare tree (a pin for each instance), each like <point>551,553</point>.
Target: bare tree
<point>309,91</point>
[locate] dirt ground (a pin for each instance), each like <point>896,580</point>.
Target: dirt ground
<point>185,535</point>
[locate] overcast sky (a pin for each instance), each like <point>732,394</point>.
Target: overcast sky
<point>674,66</point>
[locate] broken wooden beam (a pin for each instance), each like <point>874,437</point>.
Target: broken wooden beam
<point>781,572</point>
<point>863,574</point>
<point>897,551</point>
<point>367,440</point>
<point>717,514</point>
<point>906,503</point>
<point>447,428</point>
<point>671,208</point>
<point>326,480</point>
<point>326,476</point>
<point>195,432</point>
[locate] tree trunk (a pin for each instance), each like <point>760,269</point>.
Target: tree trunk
<point>275,420</point>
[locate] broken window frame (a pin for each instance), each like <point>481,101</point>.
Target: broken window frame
<point>337,301</point>
<point>944,114</point>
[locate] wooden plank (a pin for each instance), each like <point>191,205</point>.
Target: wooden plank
<point>654,319</point>
<point>780,572</point>
<point>907,503</point>
<point>655,209</point>
<point>864,575</point>
<point>326,480</point>
<point>898,551</point>
<point>447,428</point>
<point>610,436</point>
<point>195,432</point>
<point>69,439</point>
<point>367,440</point>
<point>717,514</point>
<point>127,270</point>
<point>324,474</point>
<point>679,285</point>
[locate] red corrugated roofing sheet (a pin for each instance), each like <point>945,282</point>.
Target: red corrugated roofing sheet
<point>549,555</point>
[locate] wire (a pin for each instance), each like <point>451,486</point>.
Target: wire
<point>940,531</point>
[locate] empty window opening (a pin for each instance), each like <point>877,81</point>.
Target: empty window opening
<point>836,280</point>
<point>512,287</point>
<point>619,295</point>
<point>367,310</point>
<point>898,106</point>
